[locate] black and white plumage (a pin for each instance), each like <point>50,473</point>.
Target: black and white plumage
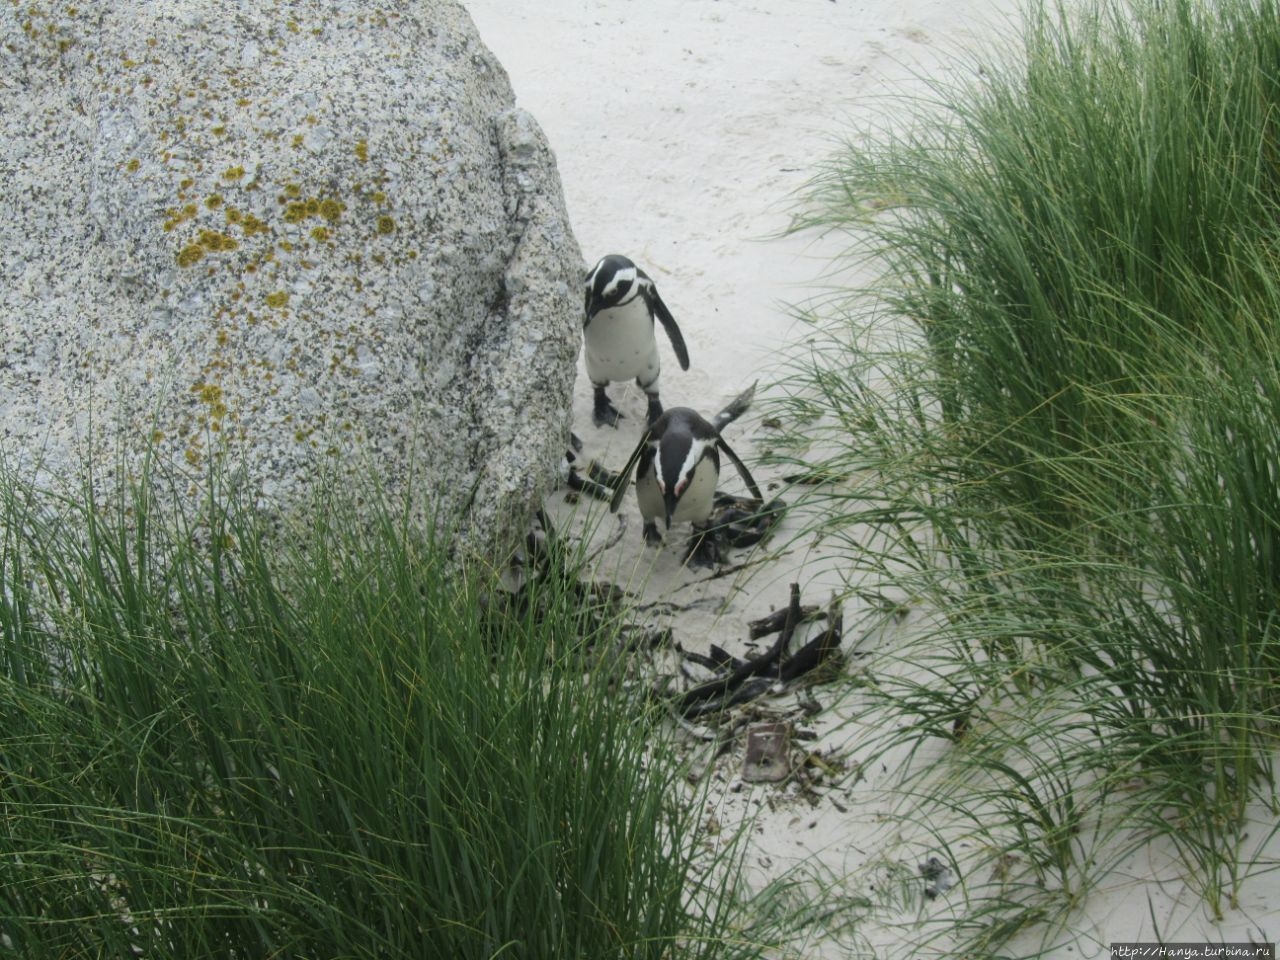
<point>677,467</point>
<point>619,344</point>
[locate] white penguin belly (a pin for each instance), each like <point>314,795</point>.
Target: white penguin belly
<point>694,505</point>
<point>620,345</point>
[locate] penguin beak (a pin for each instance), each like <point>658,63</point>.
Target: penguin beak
<point>669,498</point>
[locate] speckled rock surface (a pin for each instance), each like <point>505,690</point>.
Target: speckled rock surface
<point>306,238</point>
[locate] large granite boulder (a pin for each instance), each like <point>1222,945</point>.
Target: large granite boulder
<point>297,238</point>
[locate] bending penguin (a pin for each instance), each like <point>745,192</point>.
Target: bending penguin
<point>621,306</point>
<point>677,464</point>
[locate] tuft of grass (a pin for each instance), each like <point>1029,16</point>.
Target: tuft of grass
<point>326,742</point>
<point>1056,420</point>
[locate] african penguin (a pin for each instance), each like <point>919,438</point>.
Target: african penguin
<point>677,465</point>
<point>620,307</point>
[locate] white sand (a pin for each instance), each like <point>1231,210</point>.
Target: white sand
<point>683,129</point>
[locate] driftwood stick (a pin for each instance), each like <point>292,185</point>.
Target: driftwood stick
<point>753,687</point>
<point>717,658</point>
<point>789,625</point>
<point>818,650</point>
<point>773,622</point>
<point>731,681</point>
<point>588,485</point>
<point>724,658</point>
<point>702,660</point>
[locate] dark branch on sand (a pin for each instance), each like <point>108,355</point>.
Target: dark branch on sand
<point>744,680</point>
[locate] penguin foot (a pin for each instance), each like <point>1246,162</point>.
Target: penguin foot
<point>704,550</point>
<point>651,535</point>
<point>604,413</point>
<point>655,408</point>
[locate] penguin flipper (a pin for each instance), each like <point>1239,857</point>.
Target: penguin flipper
<point>659,309</point>
<point>624,478</point>
<point>742,468</point>
<point>735,409</point>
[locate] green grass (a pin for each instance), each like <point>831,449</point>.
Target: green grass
<point>325,743</point>
<point>1058,413</point>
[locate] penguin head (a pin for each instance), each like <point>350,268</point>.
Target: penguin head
<point>613,281</point>
<point>676,459</point>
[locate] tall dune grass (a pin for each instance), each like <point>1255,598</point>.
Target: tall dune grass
<point>215,744</point>
<point>1066,439</point>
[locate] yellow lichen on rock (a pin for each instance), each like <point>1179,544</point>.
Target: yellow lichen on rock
<point>190,255</point>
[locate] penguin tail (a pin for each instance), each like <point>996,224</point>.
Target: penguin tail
<point>735,409</point>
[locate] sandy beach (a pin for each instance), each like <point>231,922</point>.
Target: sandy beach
<point>685,131</point>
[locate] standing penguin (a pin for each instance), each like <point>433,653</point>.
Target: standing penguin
<point>677,464</point>
<point>617,332</point>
